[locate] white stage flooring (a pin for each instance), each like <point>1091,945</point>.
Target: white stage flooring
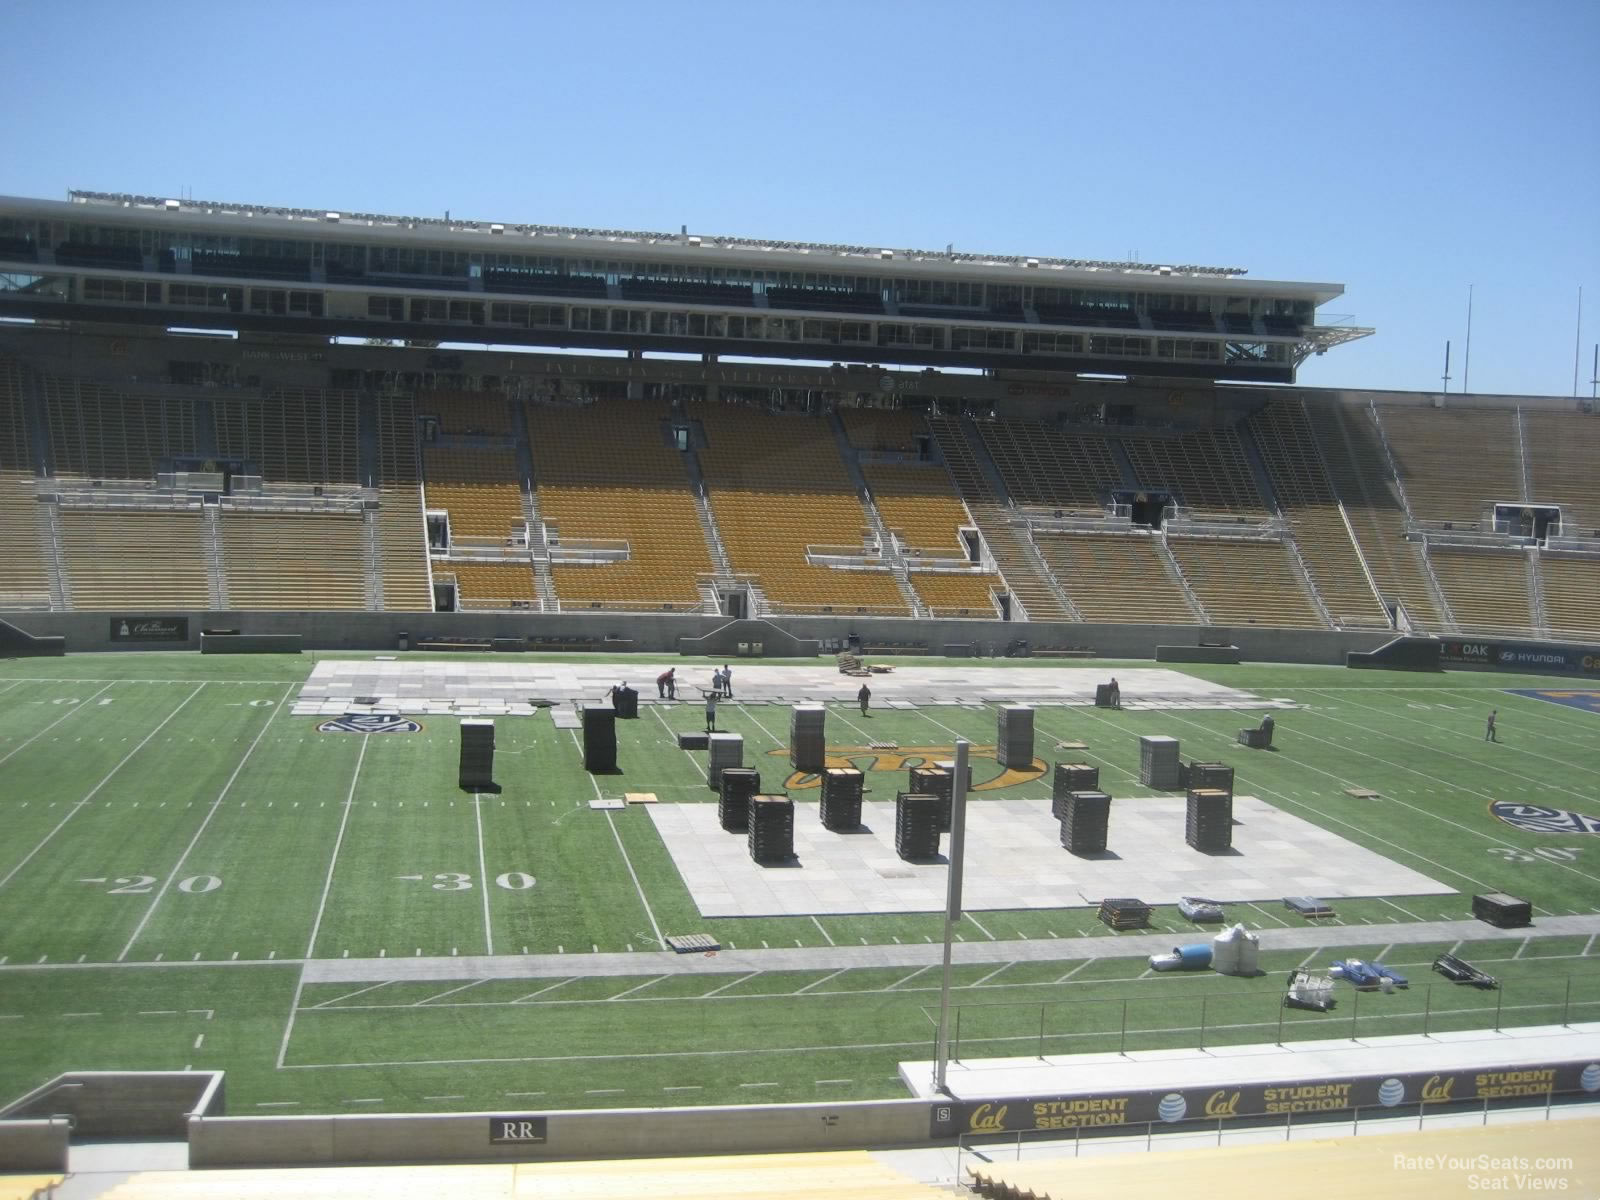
<point>419,684</point>
<point>1014,860</point>
<point>1342,1058</point>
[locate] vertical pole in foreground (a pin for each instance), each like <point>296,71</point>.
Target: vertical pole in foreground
<point>952,908</point>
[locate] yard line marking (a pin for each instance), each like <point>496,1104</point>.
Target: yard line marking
<point>461,1096</point>
<point>593,782</point>
<point>351,995</point>
<point>656,712</point>
<point>1582,953</point>
<point>338,841</point>
<point>92,791</point>
<point>1302,964</point>
<point>327,885</point>
<point>760,726</point>
<point>74,709</point>
<point>217,803</point>
<point>637,886</point>
<point>277,1103</point>
<point>1397,907</point>
<point>679,1088</point>
<point>524,1093</point>
<point>841,710</point>
<point>991,974</point>
<point>198,1039</point>
<point>373,1100</point>
<point>734,983</point>
<point>483,875</point>
<point>552,987</point>
<point>757,1085</point>
<point>450,992</point>
<point>603,1092</point>
<point>908,978</point>
<point>636,988</point>
<point>82,1014</point>
<point>836,1081</point>
<point>1075,970</point>
<point>1522,947</point>
<point>823,931</point>
<point>1378,957</point>
<point>820,982</point>
<point>979,924</point>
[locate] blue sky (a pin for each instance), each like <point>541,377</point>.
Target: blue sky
<point>1405,150</point>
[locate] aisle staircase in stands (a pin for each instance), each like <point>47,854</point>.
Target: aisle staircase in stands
<point>887,549</point>
<point>709,602</point>
<point>538,542</point>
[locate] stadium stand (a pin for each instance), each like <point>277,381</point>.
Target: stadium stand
<point>478,488</point>
<point>1205,471</point>
<point>589,492</point>
<point>462,412</point>
<point>401,531</point>
<point>296,436</point>
<point>1245,582</point>
<point>920,507</point>
<point>24,576</point>
<point>491,585</point>
<point>1487,589</point>
<point>1377,512</point>
<point>1043,466</point>
<point>1428,446</point>
<point>97,432</point>
<point>885,429</point>
<point>1289,449</point>
<point>1006,542</point>
<point>1571,595</point>
<point>311,561</point>
<point>1563,457</point>
<point>777,485</point>
<point>1117,578</point>
<point>121,559</point>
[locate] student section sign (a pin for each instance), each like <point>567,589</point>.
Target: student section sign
<point>1252,1100</point>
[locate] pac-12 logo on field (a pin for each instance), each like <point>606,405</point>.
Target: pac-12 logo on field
<point>1535,818</point>
<point>369,723</point>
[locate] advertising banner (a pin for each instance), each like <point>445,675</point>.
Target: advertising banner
<point>1521,656</point>
<point>1087,1110</point>
<point>149,629</point>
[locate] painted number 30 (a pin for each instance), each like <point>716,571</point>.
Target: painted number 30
<point>1547,853</point>
<point>455,881</point>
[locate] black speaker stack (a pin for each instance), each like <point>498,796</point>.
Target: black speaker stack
<point>599,738</point>
<point>808,745</point>
<point>1084,817</point>
<point>738,784</point>
<point>771,829</point>
<point>841,799</point>
<point>1208,823</point>
<point>936,781</point>
<point>477,754</point>
<point>1071,777</point>
<point>1013,745</point>
<point>916,825</point>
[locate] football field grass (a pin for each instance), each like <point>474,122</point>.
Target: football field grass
<point>178,846</point>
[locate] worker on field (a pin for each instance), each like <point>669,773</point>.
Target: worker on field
<point>864,696</point>
<point>1116,692</point>
<point>727,681</point>
<point>1489,734</point>
<point>666,685</point>
<point>711,711</point>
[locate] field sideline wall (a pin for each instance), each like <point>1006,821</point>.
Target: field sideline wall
<point>660,633</point>
<point>618,1133</point>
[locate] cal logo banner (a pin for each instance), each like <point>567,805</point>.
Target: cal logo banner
<point>1232,1101</point>
<point>1535,818</point>
<point>369,723</point>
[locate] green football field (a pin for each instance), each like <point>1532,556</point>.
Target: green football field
<point>178,847</point>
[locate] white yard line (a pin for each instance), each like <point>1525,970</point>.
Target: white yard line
<point>483,874</point>
<point>819,982</point>
<point>729,984</point>
<point>864,734</point>
<point>338,841</point>
<point>759,725</point>
<point>350,995</point>
<point>823,931</point>
<point>637,886</point>
<point>908,978</point>
<point>991,975</point>
<point>172,877</point>
<point>73,811</point>
<point>979,924</point>
<point>74,709</point>
<point>1074,971</point>
<point>441,995</point>
<point>672,733</point>
<point>543,990</point>
<point>636,988</point>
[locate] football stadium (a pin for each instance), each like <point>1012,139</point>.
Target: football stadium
<point>548,698</point>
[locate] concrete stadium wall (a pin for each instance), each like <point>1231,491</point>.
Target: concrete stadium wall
<point>661,633</point>
<point>620,1133</point>
<point>35,1146</point>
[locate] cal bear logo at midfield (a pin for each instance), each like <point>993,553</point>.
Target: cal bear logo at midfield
<point>1535,818</point>
<point>869,758</point>
<point>369,723</point>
